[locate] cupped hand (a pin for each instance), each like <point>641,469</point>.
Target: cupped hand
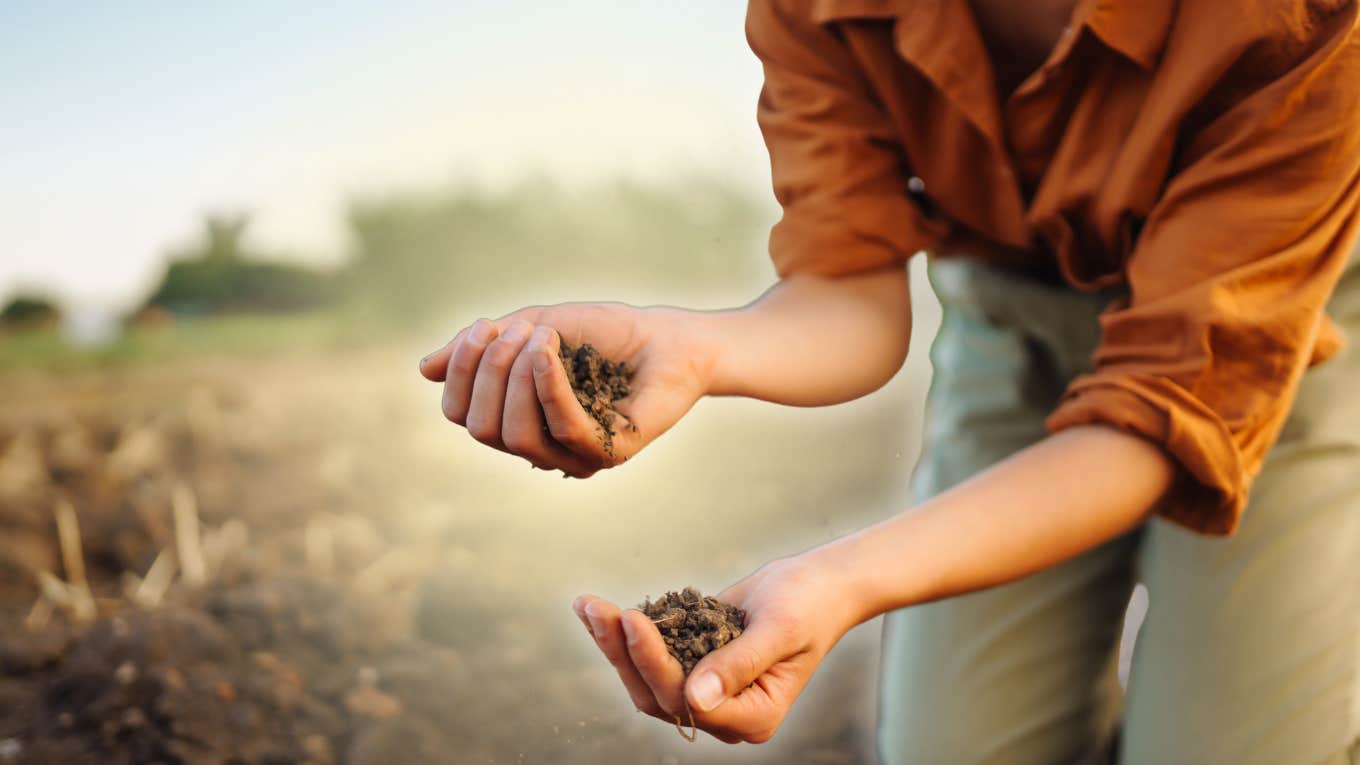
<point>795,613</point>
<point>504,382</point>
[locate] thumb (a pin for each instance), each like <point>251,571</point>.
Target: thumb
<point>731,669</point>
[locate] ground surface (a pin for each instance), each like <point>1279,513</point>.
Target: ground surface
<point>367,585</point>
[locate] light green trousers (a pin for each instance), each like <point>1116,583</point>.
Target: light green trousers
<point>1250,652</point>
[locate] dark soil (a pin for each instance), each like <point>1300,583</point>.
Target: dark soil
<point>360,607</point>
<point>598,383</point>
<point>693,625</point>
<point>269,672</point>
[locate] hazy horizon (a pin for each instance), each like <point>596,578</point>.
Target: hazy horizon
<point>137,121</point>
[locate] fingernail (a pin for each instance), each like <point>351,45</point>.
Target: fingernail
<point>517,332</point>
<point>707,691</point>
<point>541,361</point>
<point>596,623</point>
<point>481,332</point>
<point>628,633</point>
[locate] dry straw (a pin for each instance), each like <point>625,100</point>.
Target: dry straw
<point>188,541</point>
<point>77,587</point>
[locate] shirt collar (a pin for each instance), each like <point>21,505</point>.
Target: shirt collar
<point>1136,28</point>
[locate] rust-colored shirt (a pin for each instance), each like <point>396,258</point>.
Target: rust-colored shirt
<point>1204,154</point>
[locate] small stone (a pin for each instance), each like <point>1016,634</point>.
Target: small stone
<point>366,701</point>
<point>225,691</point>
<point>318,749</point>
<point>368,677</point>
<point>133,718</point>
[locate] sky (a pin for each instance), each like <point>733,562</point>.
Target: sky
<point>124,123</point>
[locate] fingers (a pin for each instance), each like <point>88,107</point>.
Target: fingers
<point>487,401</point>
<point>434,366</point>
<point>463,359</point>
<point>753,690</point>
<point>504,382</point>
<point>746,687</point>
<point>662,673</point>
<point>522,428</point>
<point>567,421</point>
<point>602,619</point>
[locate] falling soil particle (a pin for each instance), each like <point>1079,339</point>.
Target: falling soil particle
<point>598,383</point>
<point>694,625</point>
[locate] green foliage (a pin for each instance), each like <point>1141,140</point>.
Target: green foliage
<point>413,255</point>
<point>197,337</point>
<point>420,258</point>
<point>221,275</point>
<point>29,312</point>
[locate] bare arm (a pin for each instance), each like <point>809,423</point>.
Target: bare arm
<point>1048,503</point>
<point>809,341</point>
<point>812,341</point>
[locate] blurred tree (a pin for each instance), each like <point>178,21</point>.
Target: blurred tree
<point>415,254</point>
<point>29,312</point>
<point>219,274</point>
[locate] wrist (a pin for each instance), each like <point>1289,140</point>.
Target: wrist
<point>701,337</point>
<point>839,566</point>
<point>884,567</point>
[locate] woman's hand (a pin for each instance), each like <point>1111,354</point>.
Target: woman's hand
<point>504,382</point>
<point>1047,503</point>
<point>796,610</point>
<point>808,341</point>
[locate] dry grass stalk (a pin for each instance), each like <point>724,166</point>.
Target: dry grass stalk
<point>157,581</point>
<point>188,540</point>
<point>73,561</point>
<point>54,590</point>
<point>390,569</point>
<point>38,615</point>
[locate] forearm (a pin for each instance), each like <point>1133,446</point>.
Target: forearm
<point>1050,502</point>
<point>811,341</point>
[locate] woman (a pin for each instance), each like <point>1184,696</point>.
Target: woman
<point>1138,216</point>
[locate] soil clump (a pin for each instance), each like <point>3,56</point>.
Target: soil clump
<point>694,625</point>
<point>598,383</point>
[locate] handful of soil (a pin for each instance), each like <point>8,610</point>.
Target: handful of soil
<point>598,383</point>
<point>694,625</point>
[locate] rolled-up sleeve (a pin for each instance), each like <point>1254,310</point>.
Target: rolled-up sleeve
<point>838,169</point>
<point>1228,282</point>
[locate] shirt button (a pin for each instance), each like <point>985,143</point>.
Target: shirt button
<point>1067,30</point>
<point>915,185</point>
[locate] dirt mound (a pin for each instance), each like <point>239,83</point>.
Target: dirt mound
<point>280,671</point>
<point>694,625</point>
<point>284,569</point>
<point>598,383</point>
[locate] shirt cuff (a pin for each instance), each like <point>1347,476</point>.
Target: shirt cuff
<point>856,234</point>
<point>1211,491</point>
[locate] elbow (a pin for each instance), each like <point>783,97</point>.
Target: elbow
<point>892,354</point>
